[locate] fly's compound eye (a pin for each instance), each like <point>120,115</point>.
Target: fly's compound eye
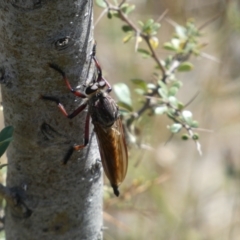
<point>92,88</point>
<point>101,83</point>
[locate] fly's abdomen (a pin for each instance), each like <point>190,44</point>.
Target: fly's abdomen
<point>113,152</point>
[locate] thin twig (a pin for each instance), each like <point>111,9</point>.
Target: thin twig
<point>100,16</point>
<point>203,130</point>
<point>162,16</point>
<point>171,22</point>
<point>109,218</point>
<point>123,1</point>
<point>155,57</point>
<point>191,100</point>
<point>124,18</point>
<point>210,57</point>
<point>210,21</point>
<point>107,3</point>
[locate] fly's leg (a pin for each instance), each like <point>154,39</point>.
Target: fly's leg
<point>75,92</point>
<point>63,110</point>
<point>99,69</point>
<point>72,115</point>
<point>78,147</point>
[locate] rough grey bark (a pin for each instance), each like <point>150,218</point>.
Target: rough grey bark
<point>52,201</point>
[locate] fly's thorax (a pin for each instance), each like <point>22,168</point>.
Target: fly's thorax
<point>103,109</point>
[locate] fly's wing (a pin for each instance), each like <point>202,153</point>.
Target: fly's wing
<point>113,151</point>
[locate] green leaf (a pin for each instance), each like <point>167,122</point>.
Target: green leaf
<point>109,15</point>
<point>171,113</point>
<point>149,22</point>
<point>175,128</point>
<point>156,26</point>
<point>123,106</point>
<point>141,23</point>
<point>177,84</point>
<point>139,91</point>
<point>185,137</point>
<point>123,93</point>
<point>185,66</point>
<point>194,124</point>
<point>162,85</point>
<point>144,53</point>
<point>187,116</point>
<point>160,110</point>
<point>127,8</point>
<point>126,28</point>
<point>149,27</point>
<point>5,138</point>
<point>180,106</point>
<point>140,83</point>
<point>115,14</point>
<point>195,136</point>
<point>176,43</point>
<point>163,90</point>
<point>169,46</point>
<point>101,3</point>
<point>163,93</point>
<point>128,37</point>
<point>172,91</point>
<point>181,32</point>
<point>151,86</point>
<point>173,100</point>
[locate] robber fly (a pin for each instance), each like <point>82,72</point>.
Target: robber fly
<point>104,113</point>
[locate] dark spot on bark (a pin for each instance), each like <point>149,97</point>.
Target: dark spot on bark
<point>57,228</point>
<point>45,230</point>
<point>62,43</point>
<point>28,213</point>
<point>18,167</point>
<point>61,223</point>
<point>27,5</point>
<point>96,169</point>
<point>48,132</point>
<point>2,75</point>
<point>19,208</point>
<point>5,78</point>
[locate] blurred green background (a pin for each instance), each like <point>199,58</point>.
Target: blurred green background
<point>170,192</point>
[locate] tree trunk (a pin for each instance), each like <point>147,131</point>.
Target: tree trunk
<point>50,200</point>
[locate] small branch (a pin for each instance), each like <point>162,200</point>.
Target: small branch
<point>147,104</point>
<point>123,1</point>
<point>124,18</point>
<point>191,100</point>
<point>162,16</point>
<point>146,38</point>
<point>107,3</point>
<point>109,218</point>
<point>210,21</point>
<point>176,60</point>
<point>100,16</point>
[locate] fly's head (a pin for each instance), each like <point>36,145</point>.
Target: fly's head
<point>94,87</point>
